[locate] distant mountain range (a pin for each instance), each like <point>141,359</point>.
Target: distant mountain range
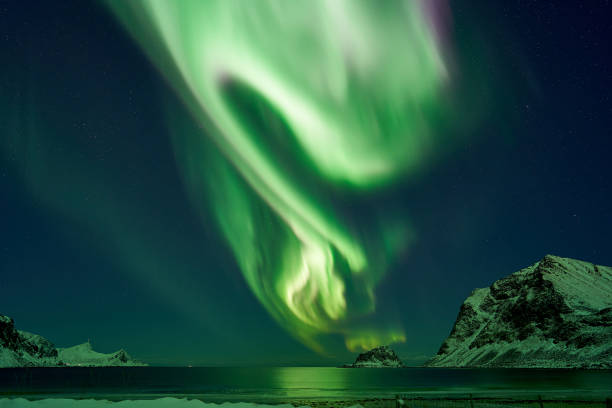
<point>556,313</point>
<point>22,349</point>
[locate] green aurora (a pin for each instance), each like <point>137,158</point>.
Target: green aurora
<point>311,103</point>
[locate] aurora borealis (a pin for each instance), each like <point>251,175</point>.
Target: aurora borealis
<point>355,87</point>
<point>289,182</point>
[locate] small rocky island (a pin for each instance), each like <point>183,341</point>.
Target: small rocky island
<point>379,357</point>
<point>556,313</point>
<point>22,349</point>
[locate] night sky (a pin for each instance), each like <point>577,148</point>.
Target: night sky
<point>104,237</point>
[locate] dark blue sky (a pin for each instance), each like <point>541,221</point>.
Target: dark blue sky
<point>99,240</point>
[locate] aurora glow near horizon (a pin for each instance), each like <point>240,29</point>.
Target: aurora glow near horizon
<point>356,87</point>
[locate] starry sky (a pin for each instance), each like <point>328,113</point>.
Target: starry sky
<point>110,231</point>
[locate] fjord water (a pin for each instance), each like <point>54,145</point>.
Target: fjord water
<point>278,384</point>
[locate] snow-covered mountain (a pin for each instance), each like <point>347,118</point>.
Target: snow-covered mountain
<point>19,348</point>
<point>23,349</point>
<point>84,355</point>
<point>555,313</point>
<point>378,357</point>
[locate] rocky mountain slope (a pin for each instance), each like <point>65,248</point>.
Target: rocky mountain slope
<point>378,357</point>
<point>23,349</point>
<point>555,313</point>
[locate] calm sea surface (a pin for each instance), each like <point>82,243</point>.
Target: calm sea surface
<point>283,383</point>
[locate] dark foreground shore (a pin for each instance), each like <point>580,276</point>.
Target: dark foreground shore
<point>455,402</point>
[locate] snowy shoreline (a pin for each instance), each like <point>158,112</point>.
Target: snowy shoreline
<point>431,400</point>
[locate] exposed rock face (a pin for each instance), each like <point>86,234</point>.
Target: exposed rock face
<point>378,357</point>
<point>23,349</point>
<point>19,348</point>
<point>555,313</point>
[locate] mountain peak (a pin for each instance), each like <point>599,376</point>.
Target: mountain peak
<point>19,348</point>
<point>554,313</point>
<point>379,357</point>
<point>83,346</point>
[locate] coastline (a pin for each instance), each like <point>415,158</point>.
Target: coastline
<point>373,402</point>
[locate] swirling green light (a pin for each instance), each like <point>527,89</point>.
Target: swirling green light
<point>356,84</point>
